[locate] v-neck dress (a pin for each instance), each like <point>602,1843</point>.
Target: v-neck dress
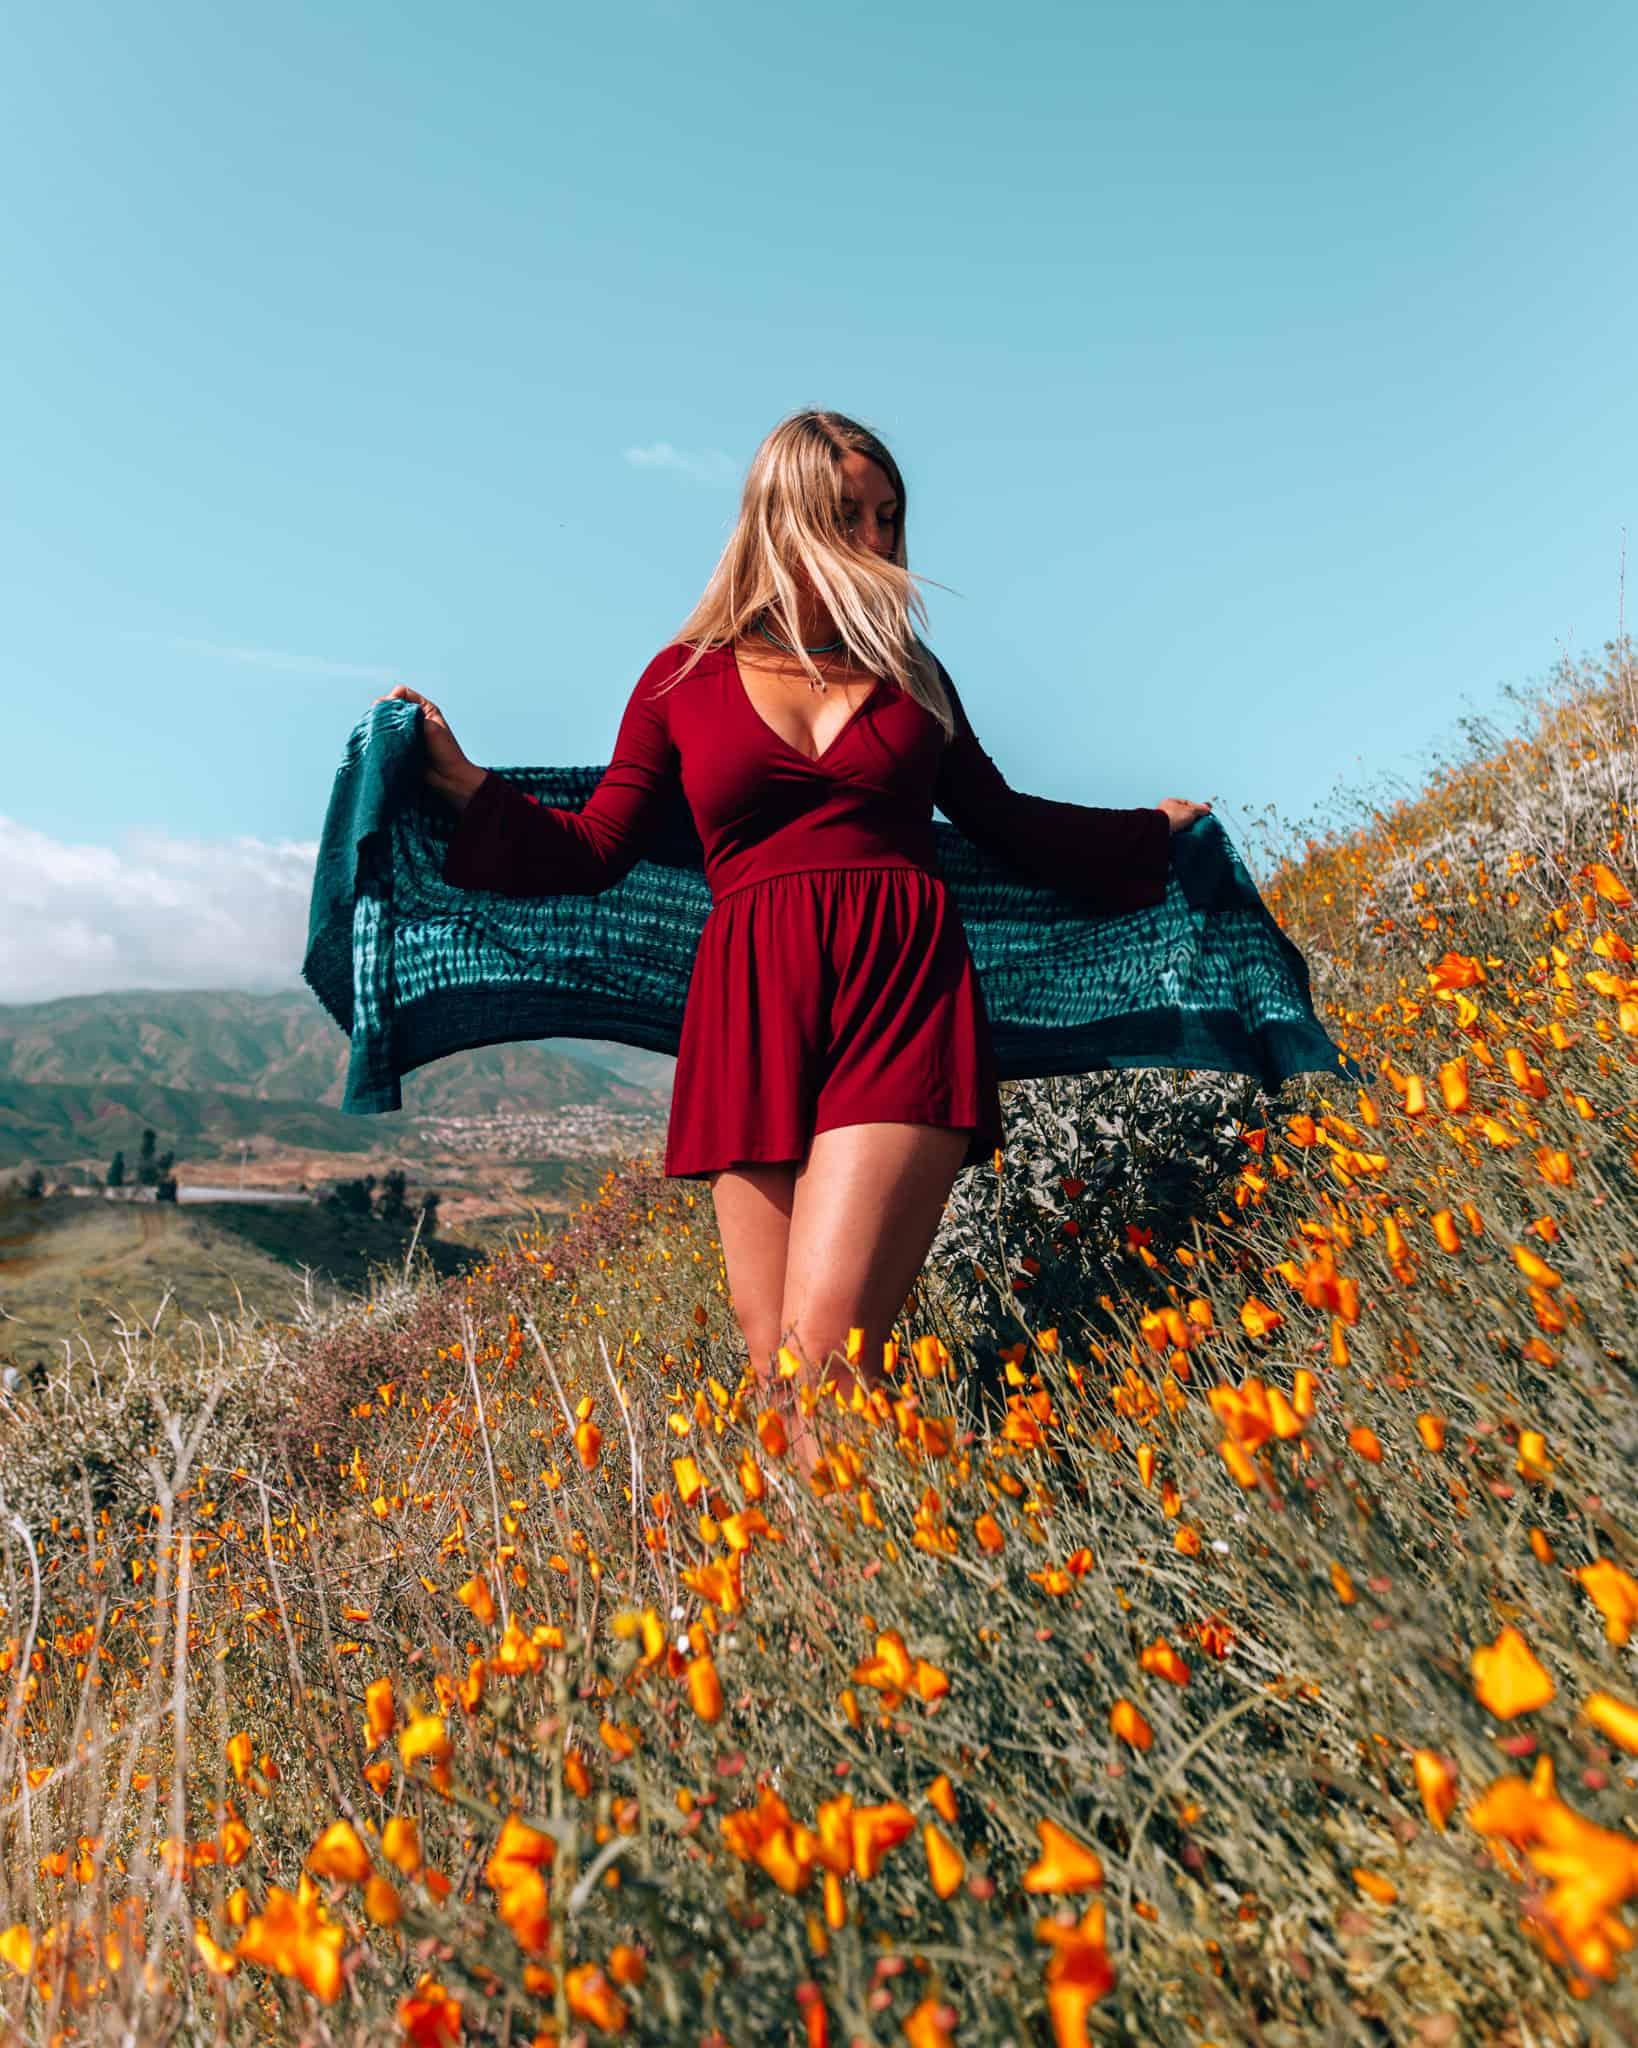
<point>833,982</point>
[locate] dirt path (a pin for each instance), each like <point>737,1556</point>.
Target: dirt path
<point>151,1232</point>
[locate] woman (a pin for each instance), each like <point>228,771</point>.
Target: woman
<point>835,1070</point>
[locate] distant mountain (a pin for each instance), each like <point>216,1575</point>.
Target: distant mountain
<point>52,1122</point>
<point>208,1069</point>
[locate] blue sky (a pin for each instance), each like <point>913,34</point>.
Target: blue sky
<point>1262,378</point>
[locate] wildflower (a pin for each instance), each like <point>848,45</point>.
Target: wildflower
<point>1365,1443</point>
<point>1453,1085</point>
<point>1375,1887</point>
<point>1616,1719</point>
<point>515,1873</point>
<point>1592,1869</point>
<point>429,2017</point>
<point>1535,1269</point>
<point>1258,1319</point>
<point>219,1961</point>
<point>893,1669</point>
<point>941,1797</point>
<point>739,1529</point>
<point>1436,1782</point>
<point>592,1997</point>
<point>520,1848</point>
<point>427,1737</point>
<point>379,1712</point>
<point>338,1853</point>
<point>615,1739</point>
<point>718,1583</point>
<point>516,1652</point>
<point>705,1688</point>
<point>931,2025</point>
<point>292,1937</point>
<point>690,1480</point>
<point>946,1866</point>
<point>476,1597</point>
<point>1445,1233</point>
<point>401,1843</point>
<point>240,1750</point>
<point>1609,885</point>
<point>1129,1725</point>
<point>1615,1594</point>
<point>588,1444</point>
<point>875,1830</point>
<point>1160,1660</point>
<point>1078,1974</point>
<point>1507,1679</point>
<point>1431,1429</point>
<point>1241,1468</point>
<point>1064,1865</point>
<point>1533,1461</point>
<point>1456,970</point>
<point>382,1905</point>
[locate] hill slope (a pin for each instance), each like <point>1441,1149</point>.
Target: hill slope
<point>211,1068</point>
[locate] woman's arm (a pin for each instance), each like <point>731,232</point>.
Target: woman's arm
<point>511,843</point>
<point>1110,860</point>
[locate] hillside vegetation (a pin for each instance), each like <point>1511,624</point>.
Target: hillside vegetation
<point>72,1271</point>
<point>1217,1630</point>
<point>211,1068</point>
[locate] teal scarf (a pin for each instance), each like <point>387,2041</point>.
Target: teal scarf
<point>413,968</point>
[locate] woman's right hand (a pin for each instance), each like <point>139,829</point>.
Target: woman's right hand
<point>448,771</point>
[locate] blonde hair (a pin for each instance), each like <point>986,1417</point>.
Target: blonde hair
<point>790,521</point>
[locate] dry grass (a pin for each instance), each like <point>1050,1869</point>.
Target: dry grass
<point>1223,1642</point>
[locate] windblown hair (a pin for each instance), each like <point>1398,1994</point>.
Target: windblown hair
<point>790,521</point>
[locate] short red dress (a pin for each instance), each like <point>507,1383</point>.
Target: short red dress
<point>833,982</point>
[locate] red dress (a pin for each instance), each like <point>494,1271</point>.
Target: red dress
<point>833,982</point>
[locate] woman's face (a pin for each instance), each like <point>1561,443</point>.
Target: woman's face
<point>870,506</point>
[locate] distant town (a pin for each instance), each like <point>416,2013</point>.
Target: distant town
<point>578,1130</point>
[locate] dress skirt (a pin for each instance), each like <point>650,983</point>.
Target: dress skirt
<point>830,996</point>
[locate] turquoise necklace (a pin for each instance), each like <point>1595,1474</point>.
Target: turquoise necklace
<point>830,646</point>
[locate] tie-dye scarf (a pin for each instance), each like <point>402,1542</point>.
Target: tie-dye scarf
<point>414,968</point>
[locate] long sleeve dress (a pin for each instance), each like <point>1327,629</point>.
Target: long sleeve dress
<point>833,983</point>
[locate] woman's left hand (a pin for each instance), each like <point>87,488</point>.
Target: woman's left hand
<point>1181,812</point>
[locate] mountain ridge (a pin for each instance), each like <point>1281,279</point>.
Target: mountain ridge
<point>212,1067</point>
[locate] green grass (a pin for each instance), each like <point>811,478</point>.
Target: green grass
<point>72,1265</point>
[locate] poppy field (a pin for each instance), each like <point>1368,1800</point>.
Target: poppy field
<point>1217,1628</point>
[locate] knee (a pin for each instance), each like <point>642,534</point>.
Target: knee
<point>762,1340</point>
<point>815,1333</point>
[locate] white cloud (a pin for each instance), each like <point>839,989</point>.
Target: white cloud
<point>155,912</point>
<point>704,465</point>
<point>276,658</point>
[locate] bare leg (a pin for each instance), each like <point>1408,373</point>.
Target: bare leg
<point>753,1205</point>
<point>867,1204</point>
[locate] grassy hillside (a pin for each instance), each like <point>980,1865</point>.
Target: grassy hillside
<point>50,1123</point>
<point>1251,1662</point>
<point>72,1267</point>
